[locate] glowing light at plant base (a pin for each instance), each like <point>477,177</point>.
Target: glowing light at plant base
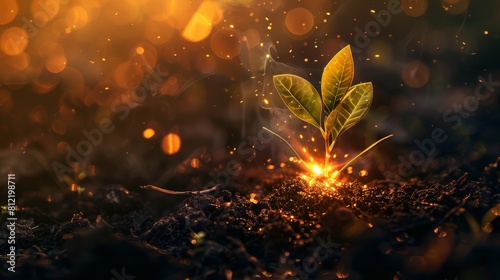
<point>318,170</point>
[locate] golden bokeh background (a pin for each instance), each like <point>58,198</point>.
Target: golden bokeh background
<point>190,79</point>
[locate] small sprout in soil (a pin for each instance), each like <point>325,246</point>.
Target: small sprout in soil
<point>340,107</point>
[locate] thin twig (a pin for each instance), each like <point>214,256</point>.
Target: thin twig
<point>155,188</point>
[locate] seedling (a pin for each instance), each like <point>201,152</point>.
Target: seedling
<point>339,107</point>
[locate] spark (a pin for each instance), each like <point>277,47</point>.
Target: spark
<point>318,170</point>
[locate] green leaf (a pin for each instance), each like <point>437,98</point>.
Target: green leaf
<point>351,109</point>
<point>337,78</point>
<point>300,97</point>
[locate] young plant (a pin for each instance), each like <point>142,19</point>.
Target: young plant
<point>339,107</point>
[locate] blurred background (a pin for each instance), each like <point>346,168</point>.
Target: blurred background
<point>168,92</point>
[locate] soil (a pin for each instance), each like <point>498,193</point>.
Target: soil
<point>276,226</point>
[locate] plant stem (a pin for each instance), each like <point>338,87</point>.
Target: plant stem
<point>327,155</point>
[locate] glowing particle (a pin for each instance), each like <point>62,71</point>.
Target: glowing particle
<point>252,198</point>
<point>171,143</point>
<point>148,133</point>
<point>363,173</point>
<point>486,32</point>
<point>195,163</point>
<point>266,101</point>
<point>139,50</point>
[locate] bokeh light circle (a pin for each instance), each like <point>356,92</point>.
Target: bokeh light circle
<point>171,143</point>
<point>299,21</point>
<point>416,74</point>
<point>44,11</point>
<point>251,38</point>
<point>14,40</point>
<point>128,75</point>
<point>414,8</point>
<point>76,17</point>
<point>19,62</point>
<point>56,63</point>
<point>9,11</point>
<point>226,43</point>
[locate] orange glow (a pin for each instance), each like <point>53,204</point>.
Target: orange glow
<point>76,17</point>
<point>145,54</point>
<point>56,64</point>
<point>44,11</point>
<point>148,133</point>
<point>200,24</point>
<point>171,143</point>
<point>20,62</point>
<point>299,21</point>
<point>14,40</point>
<point>198,28</point>
<point>122,12</point>
<point>8,11</point>
<point>318,170</point>
<point>195,163</point>
<point>128,75</point>
<point>320,180</point>
<point>157,33</point>
<point>226,43</point>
